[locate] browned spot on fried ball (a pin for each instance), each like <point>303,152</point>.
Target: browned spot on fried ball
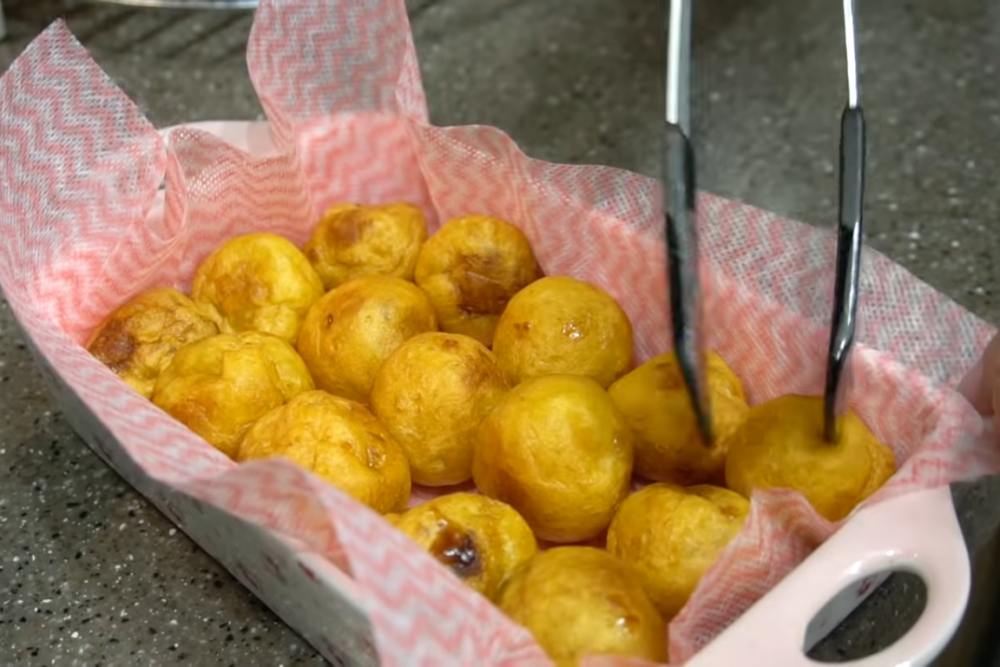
<point>353,301</point>
<point>115,346</point>
<point>479,292</point>
<point>732,511</point>
<point>479,370</point>
<point>243,281</point>
<point>195,411</point>
<point>456,549</point>
<point>666,378</point>
<point>348,229</point>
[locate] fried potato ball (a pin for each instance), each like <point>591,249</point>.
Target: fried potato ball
<point>352,241</point>
<point>557,450</point>
<point>668,445</point>
<point>340,441</point>
<point>560,325</point>
<point>470,269</point>
<point>349,333</point>
<point>258,282</point>
<point>671,535</point>
<point>582,601</point>
<point>479,539</point>
<point>781,445</point>
<point>432,394</point>
<point>883,466</point>
<point>139,338</point>
<point>219,386</point>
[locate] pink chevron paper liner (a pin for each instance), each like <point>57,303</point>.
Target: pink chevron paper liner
<point>80,167</point>
<point>309,60</point>
<point>32,102</point>
<point>374,159</point>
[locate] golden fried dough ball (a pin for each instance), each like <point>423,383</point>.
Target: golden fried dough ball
<point>883,466</point>
<point>671,535</point>
<point>781,445</point>
<point>352,241</point>
<point>338,440</point>
<point>563,325</point>
<point>139,338</point>
<point>557,450</point>
<point>668,445</point>
<point>350,332</point>
<point>258,282</point>
<point>470,269</point>
<point>219,386</point>
<point>479,539</point>
<point>432,394</point>
<point>582,601</point>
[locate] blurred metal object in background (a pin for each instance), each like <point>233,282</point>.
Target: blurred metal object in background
<point>681,218</point>
<point>180,4</point>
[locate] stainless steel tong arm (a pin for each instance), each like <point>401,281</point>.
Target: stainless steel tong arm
<point>682,229</point>
<point>681,221</point>
<point>850,229</point>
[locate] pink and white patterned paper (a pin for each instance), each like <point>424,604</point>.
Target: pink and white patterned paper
<point>79,171</point>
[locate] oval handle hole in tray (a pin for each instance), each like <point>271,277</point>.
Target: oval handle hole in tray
<point>901,597</point>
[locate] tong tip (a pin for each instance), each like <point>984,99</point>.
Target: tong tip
<point>692,365</point>
<point>704,419</point>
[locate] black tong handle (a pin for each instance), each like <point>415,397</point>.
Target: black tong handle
<point>846,289</point>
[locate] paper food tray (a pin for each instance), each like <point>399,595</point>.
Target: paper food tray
<point>87,225</point>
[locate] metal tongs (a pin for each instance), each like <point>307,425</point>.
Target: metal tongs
<point>849,242</point>
<point>681,220</point>
<point>682,229</point>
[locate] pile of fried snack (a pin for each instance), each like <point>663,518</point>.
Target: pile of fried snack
<point>380,358</point>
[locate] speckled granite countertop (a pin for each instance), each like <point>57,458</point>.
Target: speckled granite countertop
<point>91,575</point>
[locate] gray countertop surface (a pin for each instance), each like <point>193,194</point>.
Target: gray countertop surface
<point>91,574</point>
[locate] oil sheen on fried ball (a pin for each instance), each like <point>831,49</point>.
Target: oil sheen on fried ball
<point>470,269</point>
<point>582,601</point>
<point>668,445</point>
<point>557,450</point>
<point>139,338</point>
<point>563,325</point>
<point>219,386</point>
<point>671,535</point>
<point>781,445</point>
<point>258,282</point>
<point>349,333</point>
<point>352,241</point>
<point>432,394</point>
<point>479,539</point>
<point>338,440</point>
